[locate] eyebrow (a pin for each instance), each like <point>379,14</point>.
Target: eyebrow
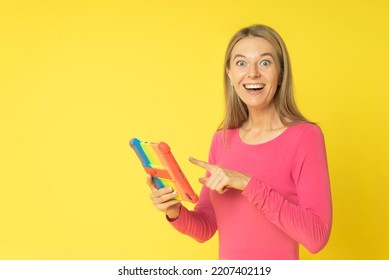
<point>262,55</point>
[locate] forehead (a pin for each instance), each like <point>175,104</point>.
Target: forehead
<point>251,46</point>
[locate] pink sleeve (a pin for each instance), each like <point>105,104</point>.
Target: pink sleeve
<point>200,223</point>
<point>309,222</point>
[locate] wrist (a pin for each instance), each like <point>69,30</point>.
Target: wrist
<point>245,182</point>
<point>173,212</point>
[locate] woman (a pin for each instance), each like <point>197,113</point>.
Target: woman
<point>267,187</point>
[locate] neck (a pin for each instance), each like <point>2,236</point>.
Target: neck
<point>266,119</point>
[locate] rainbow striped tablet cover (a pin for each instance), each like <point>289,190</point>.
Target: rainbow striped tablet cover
<point>158,161</point>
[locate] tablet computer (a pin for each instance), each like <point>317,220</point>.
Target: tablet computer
<point>158,161</point>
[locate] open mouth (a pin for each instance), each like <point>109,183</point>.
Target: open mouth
<point>254,87</point>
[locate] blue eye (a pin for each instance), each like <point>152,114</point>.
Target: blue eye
<point>240,63</point>
<point>265,63</point>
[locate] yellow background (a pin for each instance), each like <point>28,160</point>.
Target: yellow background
<point>78,79</point>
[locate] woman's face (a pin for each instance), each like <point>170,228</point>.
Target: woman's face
<point>254,72</point>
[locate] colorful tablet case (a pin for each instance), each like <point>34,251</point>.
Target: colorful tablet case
<point>158,161</point>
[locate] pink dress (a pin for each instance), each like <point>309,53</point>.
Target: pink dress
<point>286,203</point>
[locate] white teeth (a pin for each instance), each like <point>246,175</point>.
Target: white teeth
<point>254,86</point>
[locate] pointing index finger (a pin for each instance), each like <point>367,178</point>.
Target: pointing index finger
<point>203,164</point>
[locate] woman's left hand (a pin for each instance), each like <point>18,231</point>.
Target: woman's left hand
<point>221,179</point>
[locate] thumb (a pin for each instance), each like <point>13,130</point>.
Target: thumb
<point>150,183</point>
<point>203,180</point>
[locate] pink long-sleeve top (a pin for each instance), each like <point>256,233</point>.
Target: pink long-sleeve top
<point>287,201</point>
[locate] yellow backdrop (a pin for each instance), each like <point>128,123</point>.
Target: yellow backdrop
<point>78,79</point>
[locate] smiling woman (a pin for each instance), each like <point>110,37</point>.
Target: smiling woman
<point>266,188</point>
<point>260,50</point>
<point>254,72</point>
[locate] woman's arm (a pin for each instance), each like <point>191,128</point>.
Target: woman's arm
<point>309,221</point>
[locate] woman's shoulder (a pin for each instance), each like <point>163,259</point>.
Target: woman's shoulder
<point>305,132</point>
<point>227,133</point>
<point>305,128</point>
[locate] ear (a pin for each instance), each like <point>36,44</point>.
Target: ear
<point>228,74</point>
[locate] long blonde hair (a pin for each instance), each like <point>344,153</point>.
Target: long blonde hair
<point>236,111</point>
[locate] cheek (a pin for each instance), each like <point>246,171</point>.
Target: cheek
<point>237,76</point>
<point>274,77</point>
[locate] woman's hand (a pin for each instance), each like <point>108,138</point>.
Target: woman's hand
<point>164,199</point>
<point>221,179</point>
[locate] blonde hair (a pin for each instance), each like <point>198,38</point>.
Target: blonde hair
<point>236,111</point>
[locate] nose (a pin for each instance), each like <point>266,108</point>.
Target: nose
<point>254,71</point>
